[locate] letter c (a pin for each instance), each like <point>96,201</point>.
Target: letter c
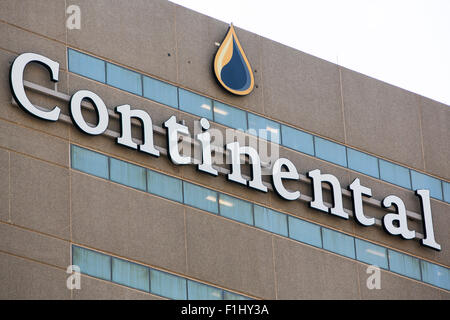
<point>18,90</point>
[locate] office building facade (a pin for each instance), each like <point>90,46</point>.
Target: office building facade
<point>139,223</point>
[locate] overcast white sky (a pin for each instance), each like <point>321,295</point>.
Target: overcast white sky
<point>403,42</point>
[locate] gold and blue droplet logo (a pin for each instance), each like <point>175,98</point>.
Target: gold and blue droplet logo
<point>231,66</point>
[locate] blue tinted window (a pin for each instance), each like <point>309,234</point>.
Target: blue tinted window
<point>130,274</point>
<point>165,186</point>
<point>140,277</point>
<point>87,66</point>
<point>167,285</point>
<point>422,181</point>
<point>371,253</point>
<point>235,209</point>
<point>161,92</point>
<point>446,190</point>
<point>404,264</point>
<point>92,263</point>
<point>338,242</point>
<point>199,291</point>
<point>229,116</point>
<point>394,174</point>
<point>270,220</point>
<point>127,174</point>
<point>200,197</point>
<point>330,151</point>
<point>435,275</point>
<point>123,79</point>
<point>297,140</point>
<point>264,128</point>
<point>233,296</point>
<point>90,162</point>
<point>362,162</point>
<point>195,104</point>
<point>304,231</point>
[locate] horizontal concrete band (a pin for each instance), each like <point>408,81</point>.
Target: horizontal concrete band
<point>224,171</point>
<point>39,239</point>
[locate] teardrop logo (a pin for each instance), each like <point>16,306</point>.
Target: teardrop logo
<point>231,66</point>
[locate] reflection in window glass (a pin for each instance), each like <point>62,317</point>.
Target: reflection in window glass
<point>422,181</point>
<point>167,285</point>
<point>200,197</point>
<point>199,291</point>
<point>229,116</point>
<point>263,128</point>
<point>338,242</point>
<point>123,79</point>
<point>92,263</point>
<point>371,253</point>
<point>446,190</point>
<point>86,65</point>
<point>297,140</point>
<point>304,231</point>
<point>164,186</point>
<point>270,220</point>
<point>330,151</point>
<point>404,264</point>
<point>395,174</point>
<point>235,209</point>
<point>363,162</point>
<point>435,275</point>
<point>90,162</point>
<point>195,104</point>
<point>233,296</point>
<point>161,92</point>
<point>127,174</point>
<point>130,274</point>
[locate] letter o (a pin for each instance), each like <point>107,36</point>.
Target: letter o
<point>100,107</point>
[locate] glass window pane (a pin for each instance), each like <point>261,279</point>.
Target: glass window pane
<point>371,253</point>
<point>338,242</point>
<point>167,285</point>
<point>423,181</point>
<point>195,104</point>
<point>164,186</point>
<point>199,291</point>
<point>130,274</point>
<point>90,162</point>
<point>297,140</point>
<point>330,151</point>
<point>233,296</point>
<point>128,174</point>
<point>123,79</point>
<point>394,174</point>
<point>229,116</point>
<point>304,231</point>
<point>161,92</point>
<point>200,197</point>
<point>435,275</point>
<point>263,128</point>
<point>270,220</point>
<point>446,190</point>
<point>92,263</point>
<point>362,162</point>
<point>404,264</point>
<point>236,209</point>
<point>86,65</point>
